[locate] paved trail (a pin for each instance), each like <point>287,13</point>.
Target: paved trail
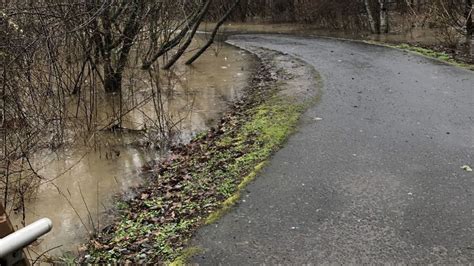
<point>379,179</point>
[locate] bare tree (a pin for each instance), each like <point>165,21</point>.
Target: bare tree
<point>383,10</point>
<point>468,10</point>
<point>214,33</point>
<point>190,37</point>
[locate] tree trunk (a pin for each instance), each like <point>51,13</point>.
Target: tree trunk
<point>243,10</point>
<point>112,79</point>
<point>370,16</point>
<point>213,34</point>
<point>190,38</point>
<point>114,66</point>
<point>167,46</point>
<point>468,10</point>
<point>469,24</point>
<point>292,11</point>
<point>383,16</point>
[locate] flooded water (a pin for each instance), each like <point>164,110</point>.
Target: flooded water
<point>421,36</point>
<point>260,28</point>
<point>79,181</point>
<point>415,35</point>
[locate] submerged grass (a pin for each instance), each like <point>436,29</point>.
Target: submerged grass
<point>199,182</point>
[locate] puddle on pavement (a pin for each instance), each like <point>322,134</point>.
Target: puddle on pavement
<point>80,182</point>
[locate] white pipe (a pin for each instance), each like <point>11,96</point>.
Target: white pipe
<point>25,236</point>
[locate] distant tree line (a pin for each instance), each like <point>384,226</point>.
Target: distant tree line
<point>378,16</point>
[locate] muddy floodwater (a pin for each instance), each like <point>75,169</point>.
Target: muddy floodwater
<point>417,36</point>
<point>80,181</point>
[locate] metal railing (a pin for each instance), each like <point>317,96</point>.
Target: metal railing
<point>11,246</point>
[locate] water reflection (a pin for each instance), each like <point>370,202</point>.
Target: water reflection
<point>79,181</point>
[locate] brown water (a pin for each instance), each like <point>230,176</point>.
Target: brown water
<point>417,34</point>
<point>421,36</point>
<point>81,180</point>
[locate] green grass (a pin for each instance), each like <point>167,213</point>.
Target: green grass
<point>270,125</point>
<point>185,255</point>
<point>425,51</point>
<point>442,56</point>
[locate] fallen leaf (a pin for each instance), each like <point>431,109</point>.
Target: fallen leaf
<point>466,168</point>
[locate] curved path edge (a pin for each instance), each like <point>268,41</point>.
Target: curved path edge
<point>374,173</point>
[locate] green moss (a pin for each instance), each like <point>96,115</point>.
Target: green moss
<point>269,127</point>
<point>442,56</point>
<point>185,255</point>
<point>231,201</point>
<point>424,51</point>
<point>225,207</point>
<point>251,176</point>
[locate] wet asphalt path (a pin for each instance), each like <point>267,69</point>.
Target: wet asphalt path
<point>379,179</point>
